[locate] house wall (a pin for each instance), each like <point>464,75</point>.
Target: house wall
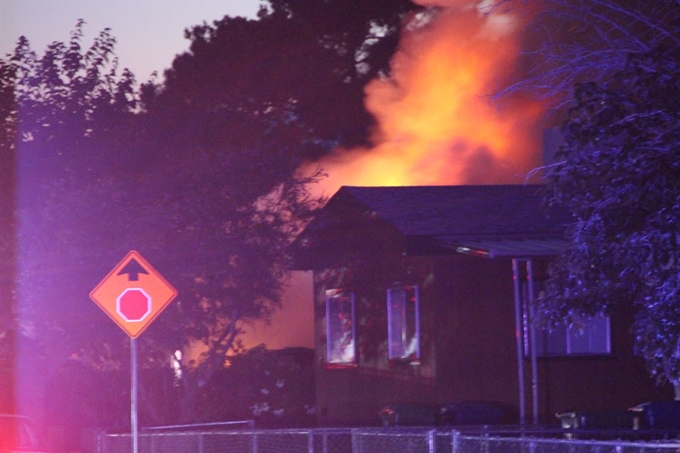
<point>617,381</point>
<point>467,334</point>
<point>476,349</point>
<point>355,395</point>
<point>467,341</point>
<point>477,356</point>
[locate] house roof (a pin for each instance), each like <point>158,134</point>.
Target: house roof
<point>500,211</point>
<point>485,220</point>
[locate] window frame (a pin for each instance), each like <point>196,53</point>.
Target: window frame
<point>341,296</point>
<point>567,339</point>
<point>397,352</point>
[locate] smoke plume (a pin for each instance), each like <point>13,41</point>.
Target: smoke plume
<point>438,121</point>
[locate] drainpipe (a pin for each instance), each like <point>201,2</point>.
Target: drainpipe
<point>529,297</point>
<point>532,342</point>
<point>518,340</point>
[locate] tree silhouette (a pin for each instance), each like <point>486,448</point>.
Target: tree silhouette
<point>618,173</point>
<point>198,173</point>
<point>48,106</point>
<point>238,113</point>
<point>578,41</point>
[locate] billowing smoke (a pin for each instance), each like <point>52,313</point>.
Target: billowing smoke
<point>438,119</point>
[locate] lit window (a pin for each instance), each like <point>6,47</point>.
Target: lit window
<point>590,336</point>
<point>340,331</point>
<point>403,324</point>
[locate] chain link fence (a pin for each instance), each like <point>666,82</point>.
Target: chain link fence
<point>374,440</point>
<point>231,441</point>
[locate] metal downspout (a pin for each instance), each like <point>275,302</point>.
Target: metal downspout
<point>532,342</point>
<point>518,340</point>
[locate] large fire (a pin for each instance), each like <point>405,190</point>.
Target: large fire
<point>438,121</point>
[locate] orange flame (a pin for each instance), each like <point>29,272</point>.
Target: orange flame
<point>437,121</point>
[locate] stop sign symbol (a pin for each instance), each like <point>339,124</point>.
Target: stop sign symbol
<point>133,304</point>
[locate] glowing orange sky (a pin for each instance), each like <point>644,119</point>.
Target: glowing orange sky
<point>437,123</point>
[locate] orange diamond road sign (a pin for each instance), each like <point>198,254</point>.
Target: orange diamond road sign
<point>133,294</point>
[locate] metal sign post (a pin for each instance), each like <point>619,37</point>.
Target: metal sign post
<point>524,299</point>
<point>133,295</point>
<point>133,395</point>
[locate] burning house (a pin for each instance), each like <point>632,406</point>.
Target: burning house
<point>424,295</point>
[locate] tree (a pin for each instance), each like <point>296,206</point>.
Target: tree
<point>58,110</point>
<point>578,41</point>
<point>7,233</point>
<point>218,227</point>
<point>298,72</point>
<point>56,98</point>
<point>618,173</point>
<point>238,113</point>
<point>201,170</point>
<point>48,105</point>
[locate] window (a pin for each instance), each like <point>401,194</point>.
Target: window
<point>589,337</point>
<point>340,330</point>
<point>403,324</point>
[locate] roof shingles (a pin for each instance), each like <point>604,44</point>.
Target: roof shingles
<point>488,220</point>
<point>500,211</point>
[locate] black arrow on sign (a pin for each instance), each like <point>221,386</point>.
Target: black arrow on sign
<point>133,269</point>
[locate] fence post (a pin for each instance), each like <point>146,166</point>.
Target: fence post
<point>254,442</point>
<point>310,441</point>
<point>455,441</point>
<point>356,448</point>
<point>431,441</point>
<point>325,442</point>
<point>99,440</point>
<point>200,442</point>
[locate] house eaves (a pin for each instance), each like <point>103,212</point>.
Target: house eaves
<point>489,211</point>
<point>505,248</point>
<point>491,221</point>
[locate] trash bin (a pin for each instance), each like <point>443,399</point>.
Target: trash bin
<point>659,414</point>
<point>615,418</point>
<point>409,414</point>
<point>471,413</point>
